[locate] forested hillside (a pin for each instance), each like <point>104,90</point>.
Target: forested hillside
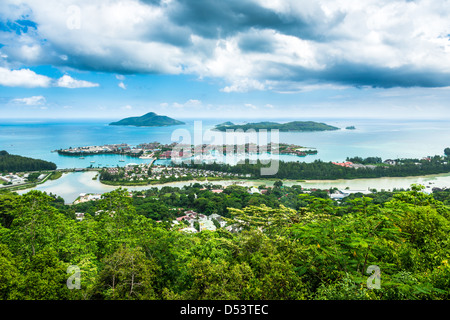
<point>15,163</point>
<point>269,125</point>
<point>313,249</point>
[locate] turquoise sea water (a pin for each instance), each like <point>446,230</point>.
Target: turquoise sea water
<point>382,138</point>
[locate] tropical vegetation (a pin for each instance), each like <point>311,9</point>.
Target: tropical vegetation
<point>289,244</point>
<point>16,163</point>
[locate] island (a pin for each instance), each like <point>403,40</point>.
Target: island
<point>150,119</point>
<point>227,123</point>
<point>283,127</point>
<point>156,150</point>
<point>350,128</point>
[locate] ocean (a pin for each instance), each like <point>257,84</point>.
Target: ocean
<point>381,138</point>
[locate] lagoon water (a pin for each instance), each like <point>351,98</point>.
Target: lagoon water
<point>70,185</point>
<point>382,138</point>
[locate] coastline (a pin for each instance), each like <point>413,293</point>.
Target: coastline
<point>71,185</point>
<point>379,178</point>
<point>293,181</point>
<point>250,181</point>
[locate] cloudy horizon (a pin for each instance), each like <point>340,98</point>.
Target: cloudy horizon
<point>234,58</point>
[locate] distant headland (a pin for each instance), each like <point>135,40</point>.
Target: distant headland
<point>150,119</point>
<point>267,125</point>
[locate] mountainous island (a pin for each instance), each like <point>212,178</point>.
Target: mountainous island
<point>228,123</point>
<point>289,126</point>
<point>150,119</point>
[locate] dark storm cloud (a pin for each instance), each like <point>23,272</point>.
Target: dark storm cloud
<point>214,19</point>
<point>255,43</point>
<point>152,2</point>
<point>169,34</point>
<point>382,77</point>
<point>360,75</point>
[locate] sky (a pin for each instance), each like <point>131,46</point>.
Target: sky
<point>228,59</point>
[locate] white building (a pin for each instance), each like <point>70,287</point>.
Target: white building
<point>189,229</point>
<point>339,195</point>
<point>14,179</point>
<point>206,224</point>
<point>253,190</point>
<point>219,219</point>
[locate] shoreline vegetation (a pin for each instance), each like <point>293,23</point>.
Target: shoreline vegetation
<point>319,170</point>
<point>358,168</point>
<point>13,163</point>
<point>285,181</point>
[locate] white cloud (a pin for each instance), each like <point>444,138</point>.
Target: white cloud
<point>30,79</point>
<point>31,52</point>
<point>304,40</point>
<point>122,85</point>
<point>67,81</point>
<point>244,85</point>
<point>31,101</point>
<point>191,103</point>
<point>23,78</point>
<point>251,106</point>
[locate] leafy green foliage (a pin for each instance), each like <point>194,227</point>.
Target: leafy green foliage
<point>14,163</point>
<point>319,170</point>
<point>447,152</point>
<point>287,245</point>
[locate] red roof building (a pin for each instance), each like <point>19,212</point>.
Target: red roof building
<point>346,164</point>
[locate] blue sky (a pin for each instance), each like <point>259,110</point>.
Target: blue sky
<point>225,59</point>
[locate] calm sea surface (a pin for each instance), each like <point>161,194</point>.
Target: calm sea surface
<point>381,138</point>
